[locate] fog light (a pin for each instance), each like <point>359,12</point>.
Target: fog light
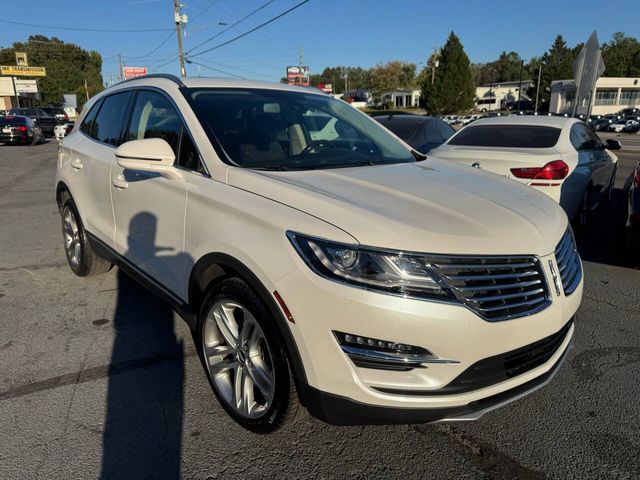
<point>368,352</point>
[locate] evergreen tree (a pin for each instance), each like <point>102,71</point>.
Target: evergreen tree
<point>453,89</point>
<point>556,65</point>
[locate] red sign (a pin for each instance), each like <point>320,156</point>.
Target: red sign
<point>298,76</point>
<point>133,72</point>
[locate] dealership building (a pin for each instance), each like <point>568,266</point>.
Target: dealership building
<point>611,94</point>
<point>496,96</point>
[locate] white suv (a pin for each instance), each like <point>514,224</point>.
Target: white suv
<point>318,260</point>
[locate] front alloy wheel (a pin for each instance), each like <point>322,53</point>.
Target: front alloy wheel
<point>238,358</point>
<point>244,357</point>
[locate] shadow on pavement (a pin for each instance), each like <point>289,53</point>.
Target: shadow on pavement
<point>143,427</point>
<point>604,240</point>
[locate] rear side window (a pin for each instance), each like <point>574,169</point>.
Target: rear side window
<point>87,121</point>
<point>507,136</point>
<point>403,127</point>
<point>583,138</point>
<point>108,125</point>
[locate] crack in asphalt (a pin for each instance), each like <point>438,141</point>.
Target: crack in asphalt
<point>94,373</point>
<point>486,458</point>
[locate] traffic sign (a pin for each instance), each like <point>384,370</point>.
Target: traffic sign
<point>23,71</point>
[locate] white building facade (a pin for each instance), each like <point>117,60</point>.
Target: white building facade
<point>611,94</point>
<point>496,96</point>
<point>402,98</point>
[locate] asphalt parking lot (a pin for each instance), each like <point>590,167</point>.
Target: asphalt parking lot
<point>98,379</point>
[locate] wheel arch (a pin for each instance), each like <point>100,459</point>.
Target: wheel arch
<point>213,267</point>
<point>61,189</point>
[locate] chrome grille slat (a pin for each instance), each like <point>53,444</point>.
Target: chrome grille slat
<point>569,264</point>
<point>504,286</point>
<point>493,266</point>
<point>507,296</point>
<point>515,305</point>
<point>496,288</point>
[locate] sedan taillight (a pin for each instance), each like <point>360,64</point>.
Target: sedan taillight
<point>636,177</point>
<point>556,170</point>
<point>22,128</point>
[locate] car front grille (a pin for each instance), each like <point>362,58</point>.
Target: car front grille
<point>496,288</point>
<point>569,264</point>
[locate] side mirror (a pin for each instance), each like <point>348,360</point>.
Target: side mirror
<point>148,155</point>
<point>613,144</point>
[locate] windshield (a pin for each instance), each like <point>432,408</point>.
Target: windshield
<point>507,136</point>
<point>285,130</point>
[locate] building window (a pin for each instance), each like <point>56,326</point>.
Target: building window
<point>630,97</point>
<point>606,97</point>
<point>569,97</point>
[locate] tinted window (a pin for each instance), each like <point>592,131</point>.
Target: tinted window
<point>154,116</point>
<point>107,127</point>
<point>13,121</point>
<point>87,121</point>
<point>507,136</point>
<point>405,128</point>
<point>446,130</point>
<point>188,156</point>
<point>431,132</point>
<point>279,129</point>
<point>583,138</point>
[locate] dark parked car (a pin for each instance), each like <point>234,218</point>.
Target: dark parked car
<point>422,133</point>
<point>58,113</point>
<point>600,125</point>
<point>633,209</point>
<point>45,121</point>
<point>19,129</point>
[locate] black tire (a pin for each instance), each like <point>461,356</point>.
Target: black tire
<point>285,407</point>
<point>87,262</point>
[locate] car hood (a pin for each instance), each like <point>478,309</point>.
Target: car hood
<point>429,206</point>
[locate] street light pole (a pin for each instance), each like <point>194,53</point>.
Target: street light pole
<point>538,87</point>
<point>520,83</point>
<point>180,19</point>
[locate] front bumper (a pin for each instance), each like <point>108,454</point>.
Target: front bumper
<point>338,410</point>
<point>450,331</point>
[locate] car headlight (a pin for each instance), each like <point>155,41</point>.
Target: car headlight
<point>387,271</point>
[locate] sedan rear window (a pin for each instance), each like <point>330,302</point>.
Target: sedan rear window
<point>13,120</point>
<point>507,136</point>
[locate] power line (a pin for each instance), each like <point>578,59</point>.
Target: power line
<point>77,29</point>
<point>216,69</point>
<point>155,49</point>
<point>204,10</point>
<point>253,29</point>
<point>234,24</point>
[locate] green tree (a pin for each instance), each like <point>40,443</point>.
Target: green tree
<point>392,75</point>
<point>621,56</point>
<point>453,89</point>
<point>556,64</point>
<point>67,64</point>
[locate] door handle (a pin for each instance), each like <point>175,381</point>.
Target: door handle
<point>120,182</point>
<point>76,163</point>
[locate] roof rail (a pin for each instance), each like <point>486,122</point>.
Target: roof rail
<point>167,76</point>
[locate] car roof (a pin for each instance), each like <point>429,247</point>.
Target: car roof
<point>534,120</point>
<point>215,82</point>
<point>403,118</point>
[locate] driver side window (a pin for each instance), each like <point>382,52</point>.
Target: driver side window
<point>154,116</point>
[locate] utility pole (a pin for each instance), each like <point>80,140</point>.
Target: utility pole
<point>538,87</point>
<point>86,89</point>
<point>15,90</point>
<point>121,67</point>
<point>520,83</point>
<point>300,57</point>
<point>435,64</point>
<point>180,19</point>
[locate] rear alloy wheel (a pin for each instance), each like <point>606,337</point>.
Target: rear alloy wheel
<point>244,359</point>
<point>80,255</point>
